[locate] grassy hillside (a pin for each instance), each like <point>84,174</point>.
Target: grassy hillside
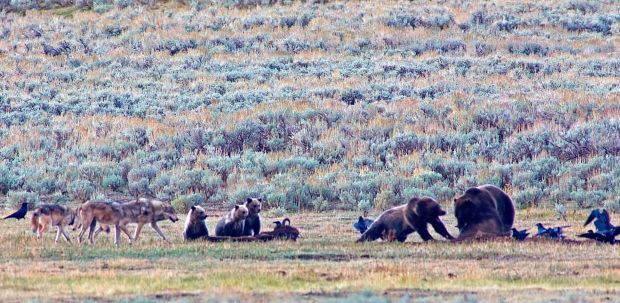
<point>344,105</point>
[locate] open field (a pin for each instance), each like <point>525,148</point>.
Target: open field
<point>325,264</point>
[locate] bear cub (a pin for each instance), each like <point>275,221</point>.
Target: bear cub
<point>233,224</point>
<point>195,225</point>
<point>252,222</point>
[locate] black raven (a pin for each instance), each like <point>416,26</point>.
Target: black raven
<point>605,231</point>
<point>20,213</point>
<point>519,234</point>
<point>551,232</point>
<point>362,224</point>
<point>282,223</point>
<point>601,220</point>
<point>608,236</point>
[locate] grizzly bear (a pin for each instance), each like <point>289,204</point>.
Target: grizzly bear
<point>195,226</point>
<point>398,222</point>
<point>252,222</point>
<point>484,211</point>
<point>232,225</point>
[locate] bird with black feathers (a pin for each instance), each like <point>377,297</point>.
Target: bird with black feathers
<point>605,231</point>
<point>284,230</point>
<point>20,213</point>
<point>600,218</point>
<point>519,235</point>
<point>607,236</point>
<point>362,224</point>
<point>551,232</point>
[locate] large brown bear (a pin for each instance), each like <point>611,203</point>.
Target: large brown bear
<point>484,211</point>
<point>398,222</point>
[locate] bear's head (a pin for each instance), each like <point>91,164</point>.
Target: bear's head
<point>426,208</point>
<point>240,213</point>
<point>466,207</point>
<point>253,205</point>
<point>197,213</point>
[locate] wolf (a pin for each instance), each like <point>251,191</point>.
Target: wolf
<point>143,211</point>
<point>48,215</point>
<point>107,213</point>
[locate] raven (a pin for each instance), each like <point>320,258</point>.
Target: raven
<point>605,231</point>
<point>20,213</point>
<point>519,234</point>
<point>362,224</point>
<point>601,220</point>
<point>282,223</point>
<point>551,232</point>
<point>608,236</point>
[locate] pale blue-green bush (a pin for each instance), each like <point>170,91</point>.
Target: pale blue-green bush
<point>16,198</point>
<point>183,203</point>
<point>9,180</point>
<point>407,127</point>
<point>81,190</point>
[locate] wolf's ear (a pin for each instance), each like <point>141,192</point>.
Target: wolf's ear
<point>236,207</point>
<point>249,200</point>
<point>193,207</point>
<point>260,200</point>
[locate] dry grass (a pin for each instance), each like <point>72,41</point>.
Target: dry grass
<point>324,264</point>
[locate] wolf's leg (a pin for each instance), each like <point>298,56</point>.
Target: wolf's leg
<point>117,235</point>
<point>126,231</point>
<point>136,233</point>
<point>65,234</point>
<point>91,232</point>
<point>82,231</point>
<point>57,234</point>
<point>40,231</point>
<point>44,228</point>
<point>98,231</point>
<point>156,228</point>
<point>76,226</point>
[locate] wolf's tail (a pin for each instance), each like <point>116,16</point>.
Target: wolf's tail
<point>34,222</point>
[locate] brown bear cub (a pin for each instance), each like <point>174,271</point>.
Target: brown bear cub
<point>398,222</point>
<point>195,226</point>
<point>252,222</point>
<point>484,211</point>
<point>232,225</point>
